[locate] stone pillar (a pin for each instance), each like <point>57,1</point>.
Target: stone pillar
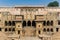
<point>21,32</point>
<point>36,32</point>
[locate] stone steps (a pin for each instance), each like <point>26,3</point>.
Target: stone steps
<point>29,38</point>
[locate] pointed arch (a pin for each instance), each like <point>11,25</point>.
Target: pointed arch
<point>44,23</point>
<point>44,29</point>
<point>29,23</point>
<point>48,30</point>
<point>48,23</point>
<point>9,23</point>
<point>24,23</point>
<point>34,23</point>
<point>51,29</point>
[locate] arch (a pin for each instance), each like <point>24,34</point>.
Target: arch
<point>9,29</point>
<point>6,29</point>
<point>13,29</point>
<point>48,30</point>
<point>29,23</point>
<point>44,23</point>
<point>44,29</point>
<point>34,23</point>
<point>39,31</point>
<point>18,31</point>
<point>48,23</point>
<point>58,22</point>
<point>13,23</point>
<point>0,29</point>
<point>51,29</point>
<point>9,23</point>
<point>24,23</point>
<point>57,29</point>
<point>6,23</point>
<point>51,23</point>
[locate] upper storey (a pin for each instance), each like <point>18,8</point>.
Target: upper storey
<point>22,10</point>
<point>29,12</point>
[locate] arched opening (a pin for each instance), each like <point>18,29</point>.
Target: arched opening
<point>13,29</point>
<point>44,29</point>
<point>9,29</point>
<point>44,23</point>
<point>0,29</point>
<point>57,29</point>
<point>39,31</point>
<point>6,23</point>
<point>24,23</point>
<point>29,23</point>
<point>48,30</point>
<point>6,29</point>
<point>48,23</point>
<point>58,22</point>
<point>51,23</point>
<point>13,23</point>
<point>34,23</point>
<point>18,31</point>
<point>9,23</point>
<point>51,29</point>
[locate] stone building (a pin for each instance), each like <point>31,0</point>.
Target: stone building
<point>29,21</point>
